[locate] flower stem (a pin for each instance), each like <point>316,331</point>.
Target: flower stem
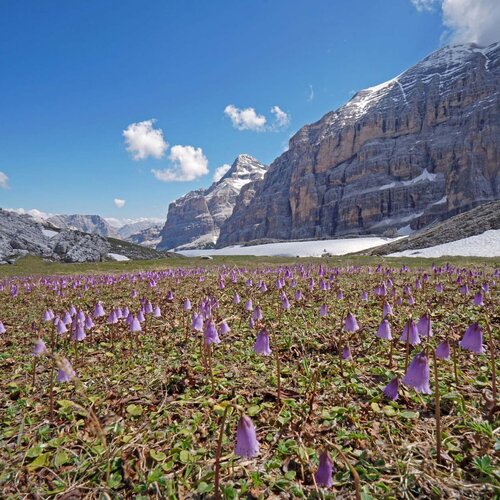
<point>493,362</point>
<point>278,376</point>
<point>437,404</point>
<point>218,454</point>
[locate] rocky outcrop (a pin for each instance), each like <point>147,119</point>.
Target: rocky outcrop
<point>417,149</point>
<point>21,235</point>
<point>149,237</point>
<point>194,220</point>
<point>94,224</point>
<point>470,223</point>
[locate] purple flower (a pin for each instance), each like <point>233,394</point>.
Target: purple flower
<point>157,312</point>
<point>249,305</point>
<point>88,322</point>
<point>298,295</point>
<point>473,339</point>
<point>262,343</point>
<point>65,372</point>
<point>340,295</point>
<point>424,325</point>
<point>170,296</point>
<point>236,298</point>
<point>439,287</point>
<point>48,315</point>
<point>140,316</point>
<point>411,300</point>
<point>257,313</point>
<point>197,323</point>
<point>387,310</point>
<point>410,332</point>
<point>285,303</point>
<point>112,319</point>
<point>148,309</point>
<point>323,311</point>
<point>187,305</point>
<point>98,310</point>
<point>443,350</point>
<point>384,330</point>
<point>78,332</point>
<point>478,299</point>
<point>135,325</point>
<point>391,389</point>
<point>350,323</point>
<point>211,335</point>
<point>247,445</point>
<point>417,375</point>
<point>40,348</point>
<point>364,296</point>
<point>2,328</point>
<point>324,474</point>
<point>61,327</point>
<point>224,328</point>
<point>346,352</point>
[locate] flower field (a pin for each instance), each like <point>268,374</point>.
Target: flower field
<point>219,381</point>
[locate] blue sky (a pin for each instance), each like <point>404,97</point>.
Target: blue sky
<point>75,75</point>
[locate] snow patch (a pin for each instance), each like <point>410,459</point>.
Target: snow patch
<point>118,257</point>
<point>486,244</point>
<point>314,248</point>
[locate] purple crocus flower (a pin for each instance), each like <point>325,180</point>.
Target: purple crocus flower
<point>140,315</point>
<point>78,332</point>
<point>61,327</point>
<point>350,323</point>
<point>2,328</point>
<point>48,315</point>
<point>251,323</point>
<point>391,389</point>
<point>298,295</point>
<point>424,325</point>
<point>157,312</point>
<point>417,374</point>
<point>340,295</point>
<point>410,332</point>
<point>346,352</point>
<point>384,330</point>
<point>439,287</point>
<point>249,305</point>
<point>67,318</point>
<point>411,300</point>
<point>65,372</point>
<point>211,335</point>
<point>197,323</point>
<point>473,339</point>
<point>72,310</point>
<point>478,299</point>
<point>387,310</point>
<point>88,322</point>
<point>236,298</point>
<point>148,309</point>
<point>364,296</point>
<point>224,328</point>
<point>464,290</point>
<point>40,348</point>
<point>112,319</point>
<point>285,303</point>
<point>443,350</point>
<point>247,445</point>
<point>257,313</point>
<point>324,474</point>
<point>187,305</point>
<point>135,325</point>
<point>323,311</point>
<point>170,296</point>
<point>399,301</point>
<point>262,343</point>
<point>80,316</point>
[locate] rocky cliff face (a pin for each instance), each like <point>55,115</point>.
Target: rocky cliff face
<point>86,223</point>
<point>21,234</point>
<point>194,220</point>
<point>419,148</point>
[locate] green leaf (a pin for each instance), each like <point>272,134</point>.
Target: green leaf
<point>389,411</point>
<point>159,456</point>
<point>184,456</point>
<point>39,462</point>
<point>34,451</point>
<point>61,458</point>
<point>134,410</point>
<point>204,487</point>
<point>253,410</point>
<point>410,414</point>
<point>375,407</point>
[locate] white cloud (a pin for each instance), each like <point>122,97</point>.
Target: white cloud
<point>4,181</point>
<point>143,140</point>
<point>424,5</point>
<point>475,21</point>
<point>119,202</point>
<point>281,119</point>
<point>220,172</point>
<point>189,164</point>
<point>245,119</point>
<point>467,21</point>
<point>36,214</point>
<point>310,97</point>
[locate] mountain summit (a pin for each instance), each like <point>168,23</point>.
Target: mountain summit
<point>398,156</point>
<point>194,220</point>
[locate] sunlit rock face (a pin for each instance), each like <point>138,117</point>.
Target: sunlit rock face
<point>417,149</point>
<point>194,220</point>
